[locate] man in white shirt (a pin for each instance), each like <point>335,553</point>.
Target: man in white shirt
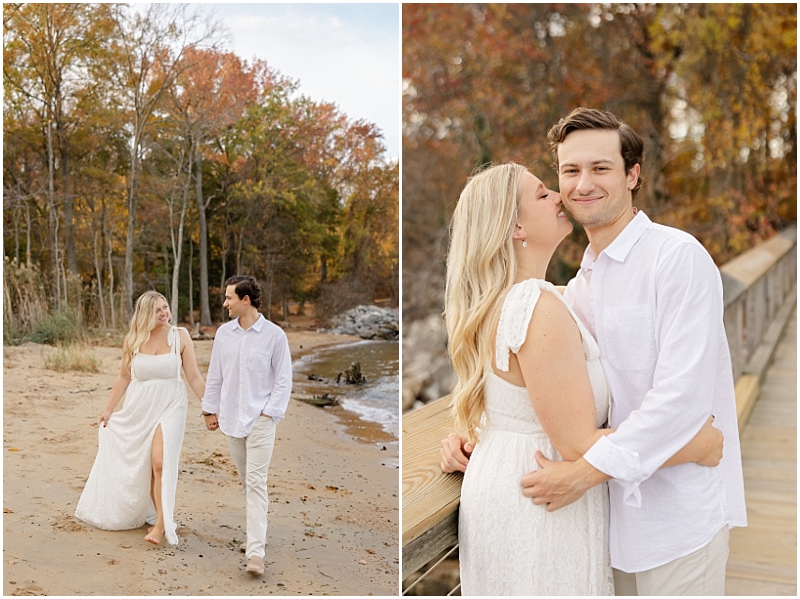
<point>652,297</point>
<point>247,392</point>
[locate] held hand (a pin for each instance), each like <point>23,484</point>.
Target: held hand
<point>212,423</point>
<point>708,442</point>
<point>104,418</point>
<point>555,485</point>
<point>455,454</point>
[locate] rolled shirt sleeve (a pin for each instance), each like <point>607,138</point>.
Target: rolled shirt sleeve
<point>687,318</point>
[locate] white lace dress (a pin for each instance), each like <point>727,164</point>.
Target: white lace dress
<point>508,545</point>
<point>117,494</point>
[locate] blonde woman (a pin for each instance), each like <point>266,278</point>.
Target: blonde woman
<point>135,474</point>
<point>529,379</point>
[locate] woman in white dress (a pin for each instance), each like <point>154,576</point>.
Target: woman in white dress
<point>135,474</point>
<point>529,378</point>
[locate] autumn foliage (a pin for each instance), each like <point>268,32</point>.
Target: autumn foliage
<point>139,154</point>
<point>712,89</point>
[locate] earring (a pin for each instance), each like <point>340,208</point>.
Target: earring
<point>524,243</point>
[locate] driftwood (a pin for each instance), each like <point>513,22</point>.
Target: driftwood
<point>326,399</point>
<point>199,335</point>
<point>353,375</point>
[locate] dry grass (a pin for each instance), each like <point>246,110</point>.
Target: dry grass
<point>72,357</point>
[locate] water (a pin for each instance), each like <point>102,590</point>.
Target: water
<point>377,400</point>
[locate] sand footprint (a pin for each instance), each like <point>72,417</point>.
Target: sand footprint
<point>68,523</point>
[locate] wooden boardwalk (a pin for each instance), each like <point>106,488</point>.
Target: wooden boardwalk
<point>763,556</point>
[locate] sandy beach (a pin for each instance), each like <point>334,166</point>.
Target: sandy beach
<point>333,486</point>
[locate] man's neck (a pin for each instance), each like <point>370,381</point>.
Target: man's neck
<point>249,318</point>
<point>602,237</point>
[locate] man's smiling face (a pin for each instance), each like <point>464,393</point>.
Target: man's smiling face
<point>595,187</point>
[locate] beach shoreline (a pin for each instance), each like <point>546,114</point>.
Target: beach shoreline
<point>333,486</point>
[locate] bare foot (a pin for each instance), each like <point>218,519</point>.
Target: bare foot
<point>154,537</point>
<point>150,529</point>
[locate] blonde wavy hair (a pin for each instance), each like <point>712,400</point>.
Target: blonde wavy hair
<point>481,266</point>
<point>142,322</point>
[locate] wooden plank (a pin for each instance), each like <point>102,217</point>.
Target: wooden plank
<point>763,354</point>
<point>430,543</point>
<point>754,588</point>
<point>763,556</point>
<point>746,396</point>
<point>782,573</point>
<point>754,263</point>
<point>429,496</point>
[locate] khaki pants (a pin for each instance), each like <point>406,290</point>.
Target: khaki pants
<point>252,456</point>
<point>699,573</point>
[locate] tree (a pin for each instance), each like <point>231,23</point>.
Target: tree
<point>48,50</point>
<point>150,49</point>
<point>210,96</point>
<point>711,89</point>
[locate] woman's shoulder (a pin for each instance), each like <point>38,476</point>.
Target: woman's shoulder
<point>523,297</point>
<point>183,335</point>
<point>517,312</point>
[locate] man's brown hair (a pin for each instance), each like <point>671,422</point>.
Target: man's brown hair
<point>581,119</point>
<point>246,285</point>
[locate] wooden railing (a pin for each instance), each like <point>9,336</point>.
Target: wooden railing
<point>759,290</point>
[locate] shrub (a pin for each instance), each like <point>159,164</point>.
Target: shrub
<point>61,326</point>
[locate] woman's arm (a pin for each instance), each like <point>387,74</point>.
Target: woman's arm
<point>553,365</point>
<point>705,448</point>
<point>193,376</point>
<point>118,389</point>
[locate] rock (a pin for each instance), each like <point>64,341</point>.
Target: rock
<point>367,322</point>
<point>427,373</point>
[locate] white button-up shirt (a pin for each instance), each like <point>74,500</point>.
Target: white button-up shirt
<point>250,374</point>
<point>653,300</point>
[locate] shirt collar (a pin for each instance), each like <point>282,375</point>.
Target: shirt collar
<point>256,325</point>
<point>621,246</point>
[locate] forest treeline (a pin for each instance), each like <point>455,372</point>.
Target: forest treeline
<point>139,154</point>
<point>712,89</point>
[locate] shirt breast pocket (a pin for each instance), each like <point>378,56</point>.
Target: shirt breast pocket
<point>630,335</point>
<point>258,361</point>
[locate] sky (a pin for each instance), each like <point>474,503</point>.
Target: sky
<point>348,54</point>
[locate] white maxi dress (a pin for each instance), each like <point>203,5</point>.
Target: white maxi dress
<point>508,545</point>
<point>117,494</point>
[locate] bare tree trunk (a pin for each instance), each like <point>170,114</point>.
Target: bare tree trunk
<point>191,277</point>
<point>166,272</point>
<point>177,252</point>
<point>99,275</point>
<point>131,224</point>
<point>53,220</point>
<point>63,272</point>
<point>239,251</point>
<point>66,195</point>
<point>111,286</point>
<point>223,278</point>
<point>27,234</point>
<point>205,309</point>
<point>16,234</point>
